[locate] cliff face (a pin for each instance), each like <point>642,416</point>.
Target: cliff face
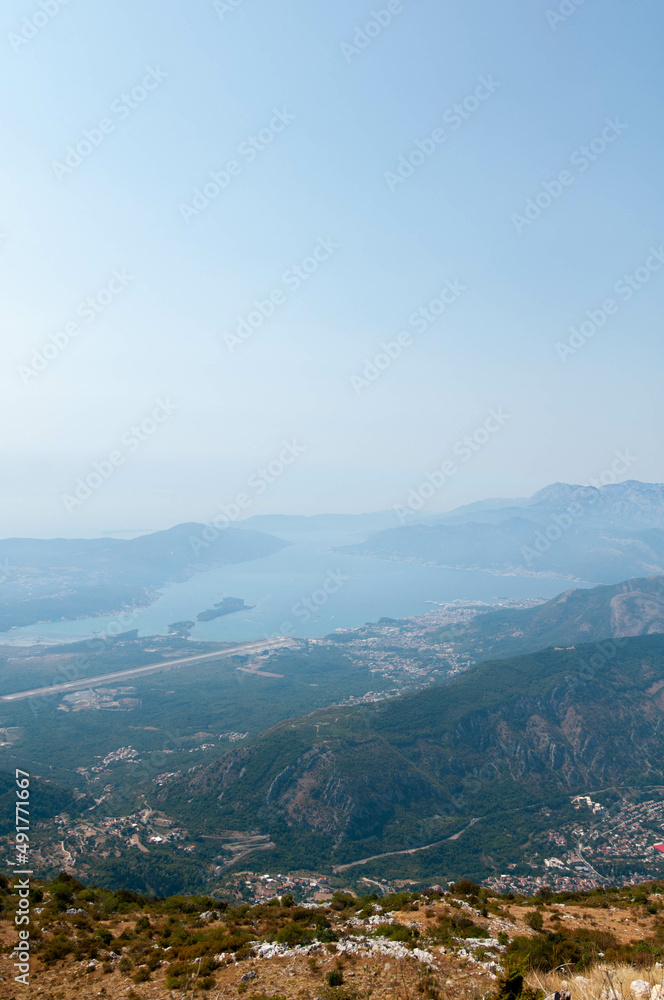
<point>633,607</point>
<point>638,612</point>
<point>523,730</point>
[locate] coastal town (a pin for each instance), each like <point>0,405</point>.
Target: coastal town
<point>407,651</point>
<point>605,846</point>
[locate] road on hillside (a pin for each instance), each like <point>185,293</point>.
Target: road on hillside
<point>87,682</point>
<point>410,850</point>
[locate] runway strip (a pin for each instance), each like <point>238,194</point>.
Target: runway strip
<point>119,675</point>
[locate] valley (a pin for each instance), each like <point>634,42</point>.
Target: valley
<point>157,772</point>
<point>516,741</point>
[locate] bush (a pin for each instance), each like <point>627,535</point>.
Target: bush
<point>62,894</point>
<point>457,926</point>
<point>178,973</point>
<point>292,934</point>
<point>464,887</point>
<point>142,975</point>
<point>534,920</point>
<point>335,978</point>
<point>549,951</point>
<point>398,932</point>
<point>510,987</point>
<point>56,949</point>
<point>324,931</point>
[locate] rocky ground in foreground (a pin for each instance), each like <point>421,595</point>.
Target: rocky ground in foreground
<point>467,943</point>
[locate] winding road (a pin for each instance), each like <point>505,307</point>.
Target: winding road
<point>410,850</point>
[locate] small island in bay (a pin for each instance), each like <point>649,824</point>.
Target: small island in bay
<point>181,625</point>
<point>225,607</point>
<point>180,628</point>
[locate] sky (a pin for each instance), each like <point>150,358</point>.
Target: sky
<point>288,257</point>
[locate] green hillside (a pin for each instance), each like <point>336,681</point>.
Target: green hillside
<point>495,746</point>
<point>634,607</point>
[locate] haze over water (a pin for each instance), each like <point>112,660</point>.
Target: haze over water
<point>280,585</point>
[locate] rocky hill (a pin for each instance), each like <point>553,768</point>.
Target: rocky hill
<point>634,607</point>
<point>460,943</point>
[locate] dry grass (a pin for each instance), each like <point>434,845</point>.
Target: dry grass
<point>611,982</point>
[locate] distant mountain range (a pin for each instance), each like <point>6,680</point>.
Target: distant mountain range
<point>630,504</point>
<point>51,579</point>
<point>594,535</point>
<point>502,748</point>
<point>598,535</point>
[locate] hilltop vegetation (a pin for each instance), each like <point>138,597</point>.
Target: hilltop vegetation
<point>457,943</point>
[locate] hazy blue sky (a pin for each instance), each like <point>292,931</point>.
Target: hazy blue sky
<point>342,108</point>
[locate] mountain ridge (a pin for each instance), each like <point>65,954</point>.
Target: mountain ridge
<point>515,734</point>
<point>93,576</point>
<point>632,607</point>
